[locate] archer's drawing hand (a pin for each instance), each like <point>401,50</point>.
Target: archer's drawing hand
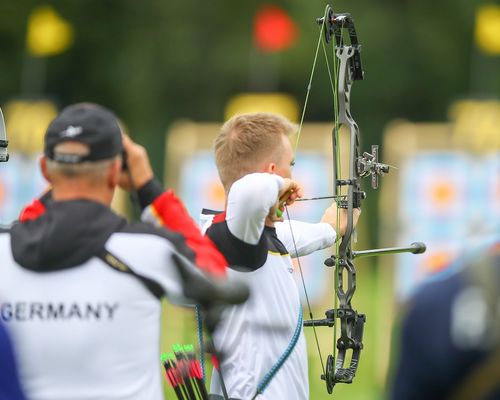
<point>290,192</point>
<point>139,168</point>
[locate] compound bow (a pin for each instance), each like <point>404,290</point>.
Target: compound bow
<point>347,68</point>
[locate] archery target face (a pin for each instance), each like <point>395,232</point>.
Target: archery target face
<point>452,200</point>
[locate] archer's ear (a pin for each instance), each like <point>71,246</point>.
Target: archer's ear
<point>271,168</point>
<point>114,173</point>
<point>43,168</point>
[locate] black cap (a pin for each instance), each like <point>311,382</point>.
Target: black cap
<point>87,123</point>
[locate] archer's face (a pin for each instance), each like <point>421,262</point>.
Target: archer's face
<point>287,160</point>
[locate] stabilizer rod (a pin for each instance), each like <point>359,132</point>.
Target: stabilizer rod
<point>415,248</point>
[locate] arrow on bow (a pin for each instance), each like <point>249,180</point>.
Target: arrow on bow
<point>347,68</point>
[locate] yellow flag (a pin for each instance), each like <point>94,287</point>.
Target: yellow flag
<point>488,28</point>
<point>48,34</point>
<point>280,103</point>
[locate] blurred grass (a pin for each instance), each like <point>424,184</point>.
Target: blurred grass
<point>373,297</point>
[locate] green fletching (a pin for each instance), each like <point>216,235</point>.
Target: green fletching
<point>163,357</point>
<point>177,348</point>
<point>189,347</point>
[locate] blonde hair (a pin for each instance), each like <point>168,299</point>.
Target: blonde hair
<point>246,142</point>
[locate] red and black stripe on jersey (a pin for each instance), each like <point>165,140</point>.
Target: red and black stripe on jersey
<point>242,256</point>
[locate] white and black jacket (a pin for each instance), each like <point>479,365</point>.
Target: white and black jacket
<point>79,294</point>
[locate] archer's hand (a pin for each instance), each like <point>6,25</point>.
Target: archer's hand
<point>339,222</point>
<point>138,166</point>
<point>290,192</point>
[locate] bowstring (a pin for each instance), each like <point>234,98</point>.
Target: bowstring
<point>333,86</point>
<point>309,86</point>
<point>334,82</point>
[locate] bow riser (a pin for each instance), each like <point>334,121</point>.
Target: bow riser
<point>351,323</point>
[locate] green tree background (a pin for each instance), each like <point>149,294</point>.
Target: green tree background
<point>156,61</point>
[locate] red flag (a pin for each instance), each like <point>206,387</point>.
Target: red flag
<point>274,30</point>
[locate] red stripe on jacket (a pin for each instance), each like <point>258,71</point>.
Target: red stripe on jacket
<point>174,216</point>
<point>32,211</point>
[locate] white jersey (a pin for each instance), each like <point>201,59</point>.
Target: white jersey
<point>255,334</point>
<point>82,329</point>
